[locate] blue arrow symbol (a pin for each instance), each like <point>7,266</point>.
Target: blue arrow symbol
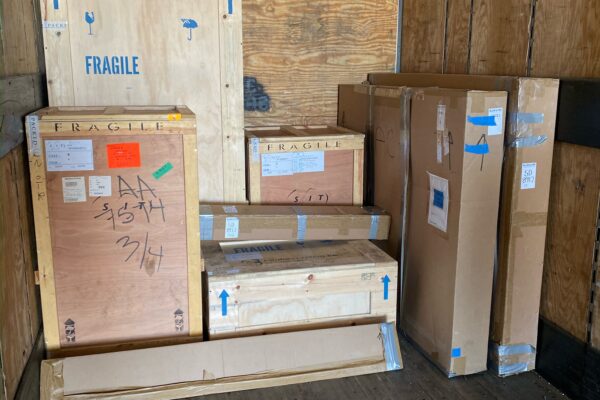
<point>386,281</point>
<point>224,295</point>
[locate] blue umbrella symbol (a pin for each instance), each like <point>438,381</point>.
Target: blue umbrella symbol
<point>89,18</point>
<point>189,24</point>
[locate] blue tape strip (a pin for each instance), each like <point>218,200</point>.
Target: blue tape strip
<point>56,5</point>
<point>482,120</point>
<point>301,234</point>
<point>456,352</point>
<point>374,227</point>
<point>528,118</point>
<point>477,148</point>
<point>206,227</point>
<point>528,141</point>
<point>230,6</point>
<point>393,360</point>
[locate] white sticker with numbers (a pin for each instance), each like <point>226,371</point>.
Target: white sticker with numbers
<point>232,227</point>
<point>73,189</point>
<point>100,186</point>
<point>497,113</point>
<point>528,175</point>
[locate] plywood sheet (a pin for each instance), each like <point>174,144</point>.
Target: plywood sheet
<point>154,52</point>
<point>566,40</point>
<point>571,236</point>
<point>297,52</point>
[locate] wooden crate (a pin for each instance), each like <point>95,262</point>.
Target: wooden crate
<point>263,287</point>
<point>156,52</point>
<point>305,165</point>
<point>116,219</point>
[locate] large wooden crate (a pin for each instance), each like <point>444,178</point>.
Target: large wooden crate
<point>265,287</point>
<point>305,165</point>
<point>116,220</point>
<point>157,52</point>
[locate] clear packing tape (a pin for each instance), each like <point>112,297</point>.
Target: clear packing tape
<point>511,359</point>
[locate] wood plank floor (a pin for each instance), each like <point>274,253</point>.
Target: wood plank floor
<point>419,380</point>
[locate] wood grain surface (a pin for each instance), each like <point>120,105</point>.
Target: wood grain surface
<point>570,239</point>
<point>301,50</point>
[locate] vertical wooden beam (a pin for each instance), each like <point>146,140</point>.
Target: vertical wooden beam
<point>423,33</point>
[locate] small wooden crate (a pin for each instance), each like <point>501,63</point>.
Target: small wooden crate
<point>265,287</point>
<point>116,219</point>
<point>305,165</point>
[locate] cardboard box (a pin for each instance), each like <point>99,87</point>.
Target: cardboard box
<point>116,222</point>
<point>265,222</point>
<point>305,165</point>
<point>224,366</point>
<point>264,287</point>
<point>456,160</point>
<point>146,53</point>
<point>525,190</point>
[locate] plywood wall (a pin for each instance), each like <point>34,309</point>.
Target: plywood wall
<point>297,52</point>
<point>550,38</point>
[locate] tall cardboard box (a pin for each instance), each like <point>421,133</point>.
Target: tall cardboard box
<point>529,143</point>
<point>264,287</point>
<point>116,223</point>
<point>456,161</point>
<point>311,165</point>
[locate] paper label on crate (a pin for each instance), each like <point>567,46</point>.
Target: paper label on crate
<point>55,25</point>
<point>69,155</point>
<point>280,164</point>
<point>123,155</point>
<point>528,175</point>
<point>497,113</point>
<point>230,209</point>
<point>254,148</point>
<point>232,227</point>
<point>441,117</point>
<point>33,134</point>
<point>100,186</point>
<point>73,189</point>
<point>438,202</point>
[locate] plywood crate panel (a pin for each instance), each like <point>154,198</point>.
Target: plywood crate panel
<point>156,52</point>
<point>262,287</point>
<point>115,206</point>
<point>305,165</point>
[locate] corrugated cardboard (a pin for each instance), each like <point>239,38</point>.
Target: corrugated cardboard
<point>224,365</point>
<point>271,222</point>
<point>522,227</point>
<point>456,160</point>
<point>264,287</point>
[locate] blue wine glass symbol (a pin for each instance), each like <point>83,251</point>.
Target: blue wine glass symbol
<point>89,18</point>
<point>189,24</point>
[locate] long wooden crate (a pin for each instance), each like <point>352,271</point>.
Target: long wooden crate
<point>305,165</point>
<point>116,220</point>
<point>157,52</point>
<point>265,287</point>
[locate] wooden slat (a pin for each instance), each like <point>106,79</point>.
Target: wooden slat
<point>566,39</point>
<point>457,37</point>
<point>500,37</point>
<point>571,235</point>
<point>301,51</point>
<point>19,38</point>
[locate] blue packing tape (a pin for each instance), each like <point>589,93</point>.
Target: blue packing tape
<point>230,7</point>
<point>391,351</point>
<point>477,148</point>
<point>206,227</point>
<point>301,224</point>
<point>374,227</point>
<point>482,120</point>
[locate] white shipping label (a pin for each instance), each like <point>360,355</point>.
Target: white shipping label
<point>230,209</point>
<point>232,227</point>
<point>100,186</point>
<point>497,113</point>
<point>33,134</point>
<point>69,155</point>
<point>73,189</point>
<point>441,117</point>
<point>528,175</point>
<point>438,202</point>
<point>280,164</point>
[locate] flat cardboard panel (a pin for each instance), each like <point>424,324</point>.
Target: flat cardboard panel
<point>272,222</point>
<point>449,273</point>
<point>277,286</point>
<point>119,218</point>
<point>166,53</point>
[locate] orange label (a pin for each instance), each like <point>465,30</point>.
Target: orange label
<point>123,155</point>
